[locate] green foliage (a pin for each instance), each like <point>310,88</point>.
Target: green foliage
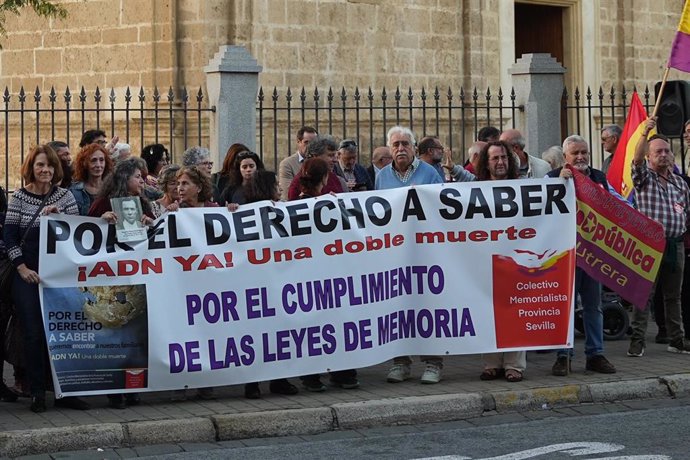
<point>43,8</point>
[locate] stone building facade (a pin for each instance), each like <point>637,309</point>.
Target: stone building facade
<point>116,43</point>
<point>337,43</point>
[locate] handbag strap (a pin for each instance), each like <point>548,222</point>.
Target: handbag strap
<point>35,216</point>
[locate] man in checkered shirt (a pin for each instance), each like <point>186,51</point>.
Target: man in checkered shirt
<point>665,198</point>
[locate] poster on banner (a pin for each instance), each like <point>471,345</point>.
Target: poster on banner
<point>283,289</point>
<point>97,336</point>
<point>616,245</point>
<point>129,212</point>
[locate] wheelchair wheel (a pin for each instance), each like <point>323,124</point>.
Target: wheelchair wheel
<point>616,320</point>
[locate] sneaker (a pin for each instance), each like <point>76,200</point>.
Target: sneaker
<point>679,346</point>
<point>636,349</point>
<point>398,373</point>
<point>348,383</point>
<point>72,402</point>
<point>432,373</point>
<point>561,367</point>
<point>598,363</point>
<point>314,385</point>
<point>282,387</point>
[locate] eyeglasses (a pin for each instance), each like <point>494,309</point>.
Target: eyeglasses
<point>206,163</point>
<point>347,143</point>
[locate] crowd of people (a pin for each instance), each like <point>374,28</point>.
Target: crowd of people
<point>103,170</point>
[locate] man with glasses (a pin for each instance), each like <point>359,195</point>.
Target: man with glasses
<point>354,174</point>
<point>664,197</point>
<point>530,166</point>
<point>97,136</point>
<point>432,152</point>
<point>610,136</point>
<point>291,165</point>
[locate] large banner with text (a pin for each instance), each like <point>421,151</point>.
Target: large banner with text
<point>285,289</point>
<point>616,244</point>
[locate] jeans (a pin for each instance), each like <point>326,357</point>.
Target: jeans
<point>669,280</point>
<point>28,309</point>
<point>592,316</point>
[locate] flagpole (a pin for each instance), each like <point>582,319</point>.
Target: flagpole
<point>661,91</point>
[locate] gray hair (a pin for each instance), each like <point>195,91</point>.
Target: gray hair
<point>119,148</point>
<point>613,130</point>
<point>574,139</point>
<point>400,130</point>
<point>320,146</point>
<point>195,155</point>
<point>475,148</point>
<point>554,156</point>
<point>167,174</point>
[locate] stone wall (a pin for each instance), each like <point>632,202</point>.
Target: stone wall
<point>309,43</point>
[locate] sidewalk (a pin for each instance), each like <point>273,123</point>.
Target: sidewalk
<point>460,395</point>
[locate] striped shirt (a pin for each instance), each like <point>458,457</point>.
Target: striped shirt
<point>19,213</point>
<point>663,199</point>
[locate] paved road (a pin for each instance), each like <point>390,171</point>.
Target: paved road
<point>637,430</point>
<point>622,434</point>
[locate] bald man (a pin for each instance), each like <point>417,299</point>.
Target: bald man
<point>380,159</point>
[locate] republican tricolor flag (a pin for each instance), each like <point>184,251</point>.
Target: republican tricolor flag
<point>680,50</point>
<point>620,171</point>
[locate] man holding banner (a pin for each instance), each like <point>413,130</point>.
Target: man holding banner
<point>665,198</point>
<point>576,154</point>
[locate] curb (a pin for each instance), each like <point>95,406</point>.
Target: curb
<point>365,414</point>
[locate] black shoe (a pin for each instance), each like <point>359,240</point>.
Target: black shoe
<point>313,385</point>
<point>117,402</point>
<point>561,367</point>
<point>132,399</point>
<point>599,363</point>
<point>72,402</point>
<point>6,394</point>
<point>38,403</point>
<point>283,387</point>
<point>347,383</point>
<point>252,390</point>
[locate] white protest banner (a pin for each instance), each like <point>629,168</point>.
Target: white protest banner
<point>286,289</point>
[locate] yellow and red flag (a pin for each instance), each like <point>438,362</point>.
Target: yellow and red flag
<point>620,171</point>
<point>680,49</point>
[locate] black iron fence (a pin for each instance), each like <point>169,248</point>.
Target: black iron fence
<point>181,118</point>
<point>177,119</point>
<point>586,113</point>
<point>454,116</point>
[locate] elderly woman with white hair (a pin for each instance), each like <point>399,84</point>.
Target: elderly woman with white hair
<point>121,151</point>
<point>201,157</point>
<point>554,156</point>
